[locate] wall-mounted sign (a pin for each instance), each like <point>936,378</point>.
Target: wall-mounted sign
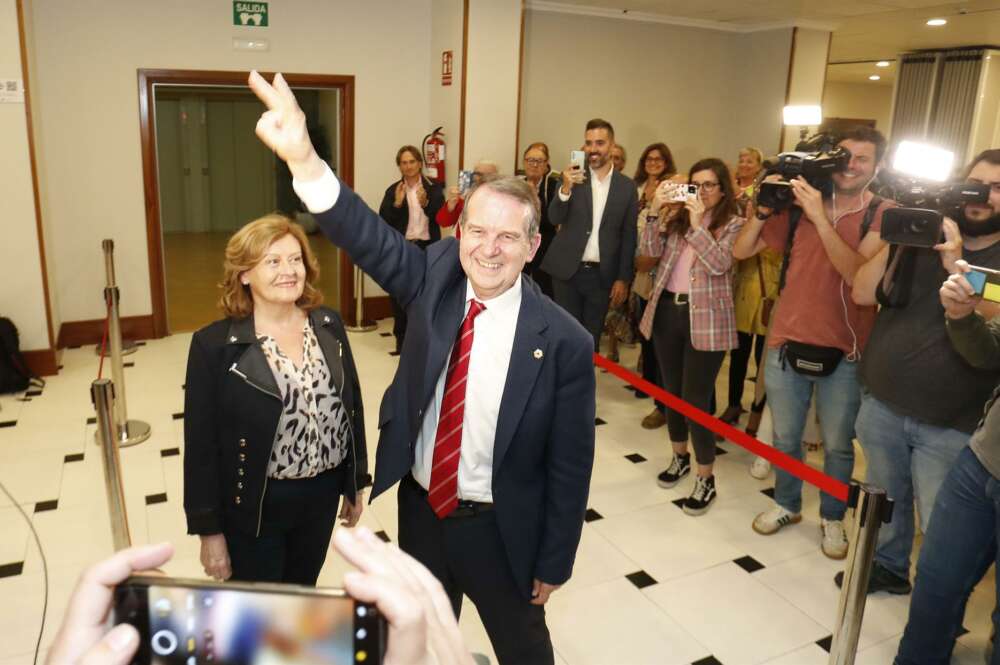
<point>446,60</point>
<point>250,14</point>
<point>11,91</point>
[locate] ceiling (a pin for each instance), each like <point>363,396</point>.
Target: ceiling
<point>858,72</point>
<point>861,30</point>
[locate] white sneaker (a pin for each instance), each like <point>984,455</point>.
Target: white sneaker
<point>834,538</point>
<point>760,468</point>
<point>774,520</point>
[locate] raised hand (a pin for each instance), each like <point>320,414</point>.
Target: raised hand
<point>282,127</point>
<point>400,194</point>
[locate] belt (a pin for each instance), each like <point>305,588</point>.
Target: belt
<point>464,509</point>
<point>590,264</point>
<point>678,298</point>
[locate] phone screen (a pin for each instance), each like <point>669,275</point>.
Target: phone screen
<point>986,283</point>
<point>577,158</point>
<point>188,625</point>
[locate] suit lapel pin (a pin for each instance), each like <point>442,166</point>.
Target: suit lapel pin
<point>538,354</point>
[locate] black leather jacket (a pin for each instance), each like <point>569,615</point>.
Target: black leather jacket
<point>231,411</point>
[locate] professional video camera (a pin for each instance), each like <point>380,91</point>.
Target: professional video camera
<point>816,159</point>
<point>923,207</point>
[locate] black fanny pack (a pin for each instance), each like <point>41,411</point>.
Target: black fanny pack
<point>811,360</point>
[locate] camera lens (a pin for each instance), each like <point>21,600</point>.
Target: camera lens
<point>164,643</point>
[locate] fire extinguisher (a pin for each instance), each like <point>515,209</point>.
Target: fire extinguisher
<point>433,149</point>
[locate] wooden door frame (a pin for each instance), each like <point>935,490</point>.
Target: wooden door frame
<point>147,78</point>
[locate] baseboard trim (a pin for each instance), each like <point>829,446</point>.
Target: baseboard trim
<point>378,307</point>
<point>42,362</point>
<point>78,333</point>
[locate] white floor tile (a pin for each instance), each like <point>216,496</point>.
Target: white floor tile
<point>811,654</point>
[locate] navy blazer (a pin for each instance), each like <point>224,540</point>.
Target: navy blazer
<point>544,448</point>
<point>575,221</point>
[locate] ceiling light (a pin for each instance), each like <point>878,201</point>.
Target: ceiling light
<point>936,22</point>
<point>882,63</point>
<point>874,77</point>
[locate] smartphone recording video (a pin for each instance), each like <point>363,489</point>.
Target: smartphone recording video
<point>986,282</point>
<point>682,192</point>
<point>577,159</point>
<point>464,181</point>
<point>190,622</point>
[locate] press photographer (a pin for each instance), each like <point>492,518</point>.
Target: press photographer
<point>817,332</point>
<point>922,399</point>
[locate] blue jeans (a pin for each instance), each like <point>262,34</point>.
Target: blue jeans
<point>837,399</point>
<point>909,459</point>
<point>960,545</point>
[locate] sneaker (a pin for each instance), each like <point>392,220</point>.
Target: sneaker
<point>774,520</point>
<point>679,467</point>
<point>881,579</point>
<point>834,538</point>
<point>760,468</point>
<point>701,498</point>
<point>654,420</point>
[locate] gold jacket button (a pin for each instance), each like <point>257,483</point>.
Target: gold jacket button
<point>238,500</point>
<point>239,485</point>
<point>243,443</point>
<point>243,457</point>
<point>240,471</point>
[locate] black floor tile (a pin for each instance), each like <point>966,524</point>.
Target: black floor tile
<point>43,506</point>
<point>768,492</point>
<point>92,420</point>
<point>128,364</point>
<point>708,660</point>
<point>8,423</point>
<point>170,452</point>
<point>641,579</point>
<point>749,564</point>
<point>23,399</point>
<point>386,334</point>
<point>394,353</point>
<point>156,498</point>
<point>11,569</point>
<point>140,343</point>
<point>600,421</point>
<point>179,416</point>
<point>962,630</point>
<point>635,458</point>
<point>33,393</point>
<point>679,503</point>
<point>76,457</point>
<point>825,643</point>
<point>721,451</point>
<point>184,386</point>
<point>59,368</point>
<point>383,536</point>
<point>592,515</point>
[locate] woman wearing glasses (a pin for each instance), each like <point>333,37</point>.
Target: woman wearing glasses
<point>690,316</point>
<point>538,172</point>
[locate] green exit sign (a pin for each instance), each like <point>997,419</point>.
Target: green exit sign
<point>251,14</point>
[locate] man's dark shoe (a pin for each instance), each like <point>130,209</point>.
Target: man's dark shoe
<point>882,579</point>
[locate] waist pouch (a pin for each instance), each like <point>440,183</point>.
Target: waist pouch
<point>810,360</point>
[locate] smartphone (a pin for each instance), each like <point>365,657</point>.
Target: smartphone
<point>986,282</point>
<point>464,181</point>
<point>577,159</point>
<point>682,192</point>
<point>191,622</point>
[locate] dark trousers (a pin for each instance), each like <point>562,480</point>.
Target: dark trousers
<point>398,313</point>
<point>585,299</point>
<point>647,355</point>
<point>687,372</point>
<point>739,359</point>
<point>468,557</point>
<point>297,521</point>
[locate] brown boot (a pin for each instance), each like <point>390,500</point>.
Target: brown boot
<point>654,420</point>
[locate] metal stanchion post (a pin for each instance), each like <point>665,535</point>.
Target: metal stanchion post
<point>360,323</point>
<point>102,394</point>
<point>108,245</point>
<point>871,507</point>
<point>128,432</point>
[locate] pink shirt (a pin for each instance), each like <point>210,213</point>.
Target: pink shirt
<point>417,227</point>
<point>680,277</point>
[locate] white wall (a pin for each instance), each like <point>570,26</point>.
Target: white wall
<point>491,84</point>
<point>446,100</point>
<point>22,297</point>
<point>863,101</point>
<point>808,72</point>
<point>89,155</point>
<point>702,92</point>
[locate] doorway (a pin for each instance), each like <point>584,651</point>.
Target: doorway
<point>207,175</point>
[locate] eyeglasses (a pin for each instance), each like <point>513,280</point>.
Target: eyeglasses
<point>708,186</point>
<point>534,161</point>
<point>654,158</point>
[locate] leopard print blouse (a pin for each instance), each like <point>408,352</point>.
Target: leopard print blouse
<point>313,431</point>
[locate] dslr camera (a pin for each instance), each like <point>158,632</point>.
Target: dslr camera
<point>923,207</point>
<point>816,159</point>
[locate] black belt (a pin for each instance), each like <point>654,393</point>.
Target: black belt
<point>678,299</point>
<point>464,509</point>
<point>590,264</point>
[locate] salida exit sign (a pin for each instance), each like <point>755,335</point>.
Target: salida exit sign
<point>251,14</point>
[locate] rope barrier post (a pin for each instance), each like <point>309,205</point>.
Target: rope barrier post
<point>360,323</point>
<point>127,432</point>
<point>128,346</point>
<point>102,394</point>
<point>871,507</point>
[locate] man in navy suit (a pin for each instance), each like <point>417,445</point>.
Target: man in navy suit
<point>488,425</point>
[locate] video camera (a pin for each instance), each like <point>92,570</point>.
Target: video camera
<point>924,205</point>
<point>816,159</point>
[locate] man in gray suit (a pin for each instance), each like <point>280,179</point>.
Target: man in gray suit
<point>591,258</point>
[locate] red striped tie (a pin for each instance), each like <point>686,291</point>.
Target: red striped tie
<point>443,494</point>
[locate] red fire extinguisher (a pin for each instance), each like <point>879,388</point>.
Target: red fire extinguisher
<point>433,148</point>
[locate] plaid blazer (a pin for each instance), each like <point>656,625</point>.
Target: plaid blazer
<point>713,317</point>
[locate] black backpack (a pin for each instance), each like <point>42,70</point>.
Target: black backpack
<point>14,373</point>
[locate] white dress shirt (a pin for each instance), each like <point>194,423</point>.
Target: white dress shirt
<point>599,190</point>
<point>492,344</point>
